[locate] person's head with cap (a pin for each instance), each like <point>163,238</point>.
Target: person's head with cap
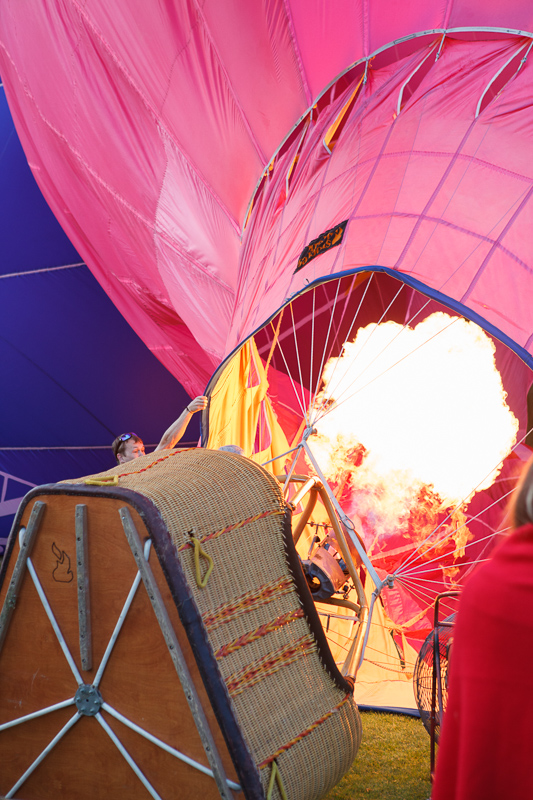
<point>127,446</point>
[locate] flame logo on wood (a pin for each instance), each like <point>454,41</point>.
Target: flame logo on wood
<point>62,573</point>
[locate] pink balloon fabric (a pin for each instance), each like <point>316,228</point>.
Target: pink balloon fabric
<point>148,127</point>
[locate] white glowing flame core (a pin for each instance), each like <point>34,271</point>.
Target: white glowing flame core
<point>426,402</point>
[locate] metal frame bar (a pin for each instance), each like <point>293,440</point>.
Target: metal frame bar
<point>120,747</point>
<point>84,596</point>
<point>35,714</point>
<point>57,630</point>
<point>345,521</point>
<point>436,678</point>
<point>44,753</point>
<point>176,654</point>
<point>120,621</point>
<point>26,543</point>
<point>172,750</point>
<point>315,486</point>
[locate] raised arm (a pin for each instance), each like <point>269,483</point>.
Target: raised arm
<point>173,434</point>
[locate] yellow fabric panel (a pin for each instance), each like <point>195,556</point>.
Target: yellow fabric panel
<point>384,679</point>
<point>235,409</point>
<point>329,138</point>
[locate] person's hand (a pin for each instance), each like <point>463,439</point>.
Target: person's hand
<point>198,404</point>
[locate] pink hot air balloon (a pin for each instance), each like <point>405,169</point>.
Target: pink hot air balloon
<point>255,187</point>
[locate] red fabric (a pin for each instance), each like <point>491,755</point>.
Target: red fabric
<point>487,737</point>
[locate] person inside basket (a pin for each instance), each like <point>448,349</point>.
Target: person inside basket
<point>128,446</point>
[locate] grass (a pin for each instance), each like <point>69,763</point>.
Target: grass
<point>392,762</point>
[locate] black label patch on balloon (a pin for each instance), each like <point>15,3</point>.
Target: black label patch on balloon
<point>325,241</point>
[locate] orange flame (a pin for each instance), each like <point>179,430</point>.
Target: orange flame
<point>415,421</point>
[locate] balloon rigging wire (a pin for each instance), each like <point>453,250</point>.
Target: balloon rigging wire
<point>313,406</point>
<point>419,594</point>
<point>299,364</point>
<point>324,406</point>
<point>289,374</point>
<point>347,295</point>
<point>416,580</point>
<point>312,352</point>
<point>320,369</point>
<point>462,502</point>
<point>391,366</point>
<point>480,557</point>
<point>358,355</point>
<point>402,568</point>
<point>422,568</point>
<point>354,319</point>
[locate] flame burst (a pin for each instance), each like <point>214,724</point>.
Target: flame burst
<point>416,423</point>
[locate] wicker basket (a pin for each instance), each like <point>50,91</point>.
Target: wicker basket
<point>272,711</point>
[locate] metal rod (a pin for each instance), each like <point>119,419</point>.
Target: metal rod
<point>120,622</point>
<point>356,653</point>
<point>44,753</point>
<point>314,485</point>
<point>340,602</point>
<point>82,573</point>
<point>329,615</point>
<point>53,622</point>
<point>163,745</point>
<point>18,572</point>
<point>346,522</point>
<point>436,678</point>
<point>175,653</point>
<point>36,714</point>
<point>116,741</point>
<point>375,595</point>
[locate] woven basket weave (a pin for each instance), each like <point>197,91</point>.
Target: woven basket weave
<point>279,680</point>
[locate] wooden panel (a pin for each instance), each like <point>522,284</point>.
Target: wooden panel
<point>139,681</point>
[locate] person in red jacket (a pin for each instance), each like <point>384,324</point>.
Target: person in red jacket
<point>486,745</point>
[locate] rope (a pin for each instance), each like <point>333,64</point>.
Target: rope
<point>170,454</point>
<point>110,480</point>
<point>274,340</point>
<point>200,552</point>
<point>234,526</point>
<point>275,776</point>
<point>268,665</point>
<point>227,612</point>
<point>304,733</point>
<point>262,630</point>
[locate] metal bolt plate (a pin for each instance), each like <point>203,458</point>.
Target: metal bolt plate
<point>88,700</point>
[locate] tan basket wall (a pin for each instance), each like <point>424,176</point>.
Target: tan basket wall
<point>285,701</point>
